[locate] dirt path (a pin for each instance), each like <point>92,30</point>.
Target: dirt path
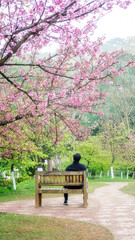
<point>107,206</point>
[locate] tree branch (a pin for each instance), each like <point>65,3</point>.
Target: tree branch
<point>18,88</point>
<point>18,117</point>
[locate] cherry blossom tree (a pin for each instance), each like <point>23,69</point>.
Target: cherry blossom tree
<point>56,87</point>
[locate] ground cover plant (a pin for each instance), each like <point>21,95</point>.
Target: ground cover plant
<point>35,227</point>
<point>25,190</point>
<point>129,189</point>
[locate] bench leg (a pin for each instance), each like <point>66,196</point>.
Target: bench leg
<point>38,200</point>
<point>85,199</point>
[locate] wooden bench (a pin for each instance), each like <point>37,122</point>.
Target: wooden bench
<point>45,180</point>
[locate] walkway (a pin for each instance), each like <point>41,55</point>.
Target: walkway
<point>107,206</point>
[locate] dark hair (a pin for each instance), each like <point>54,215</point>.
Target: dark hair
<point>77,157</point>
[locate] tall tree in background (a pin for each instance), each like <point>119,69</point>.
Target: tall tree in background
<point>121,99</point>
<point>124,100</point>
<point>114,139</point>
<point>57,86</point>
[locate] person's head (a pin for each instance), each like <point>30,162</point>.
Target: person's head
<point>77,157</point>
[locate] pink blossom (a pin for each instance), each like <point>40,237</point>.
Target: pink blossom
<point>51,8</point>
<point>53,88</point>
<point>51,95</point>
<point>57,2</point>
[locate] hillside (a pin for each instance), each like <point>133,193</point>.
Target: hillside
<point>127,44</point>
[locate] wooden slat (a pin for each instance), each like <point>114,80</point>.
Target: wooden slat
<point>64,178</point>
<point>57,179</point>
<point>60,179</point>
<point>62,190</point>
<point>60,184</point>
<point>60,173</point>
<point>70,178</point>
<point>81,179</point>
<point>67,179</point>
<point>54,178</point>
<point>40,179</point>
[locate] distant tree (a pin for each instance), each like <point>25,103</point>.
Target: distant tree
<point>120,100</point>
<point>114,139</point>
<point>93,156</point>
<point>128,155</point>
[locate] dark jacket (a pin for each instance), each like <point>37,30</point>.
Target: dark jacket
<point>75,166</point>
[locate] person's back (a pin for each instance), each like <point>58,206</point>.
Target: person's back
<point>75,166</point>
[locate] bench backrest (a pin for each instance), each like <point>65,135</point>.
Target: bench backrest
<point>60,178</point>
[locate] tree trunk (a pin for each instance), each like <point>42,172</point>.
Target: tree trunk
<point>127,173</point>
<point>50,165</point>
<point>113,158</point>
<point>13,177</point>
<point>100,174</point>
<point>112,173</point>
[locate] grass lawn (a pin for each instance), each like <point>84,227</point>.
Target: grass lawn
<point>26,190</point>
<point>109,179</point>
<point>129,189</point>
<point>94,185</point>
<point>25,227</point>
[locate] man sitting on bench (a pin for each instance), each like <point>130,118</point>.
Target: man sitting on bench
<point>75,166</point>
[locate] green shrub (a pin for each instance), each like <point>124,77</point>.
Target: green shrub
<point>21,179</point>
<point>6,183</point>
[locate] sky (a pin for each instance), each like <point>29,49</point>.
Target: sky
<point>118,23</point>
